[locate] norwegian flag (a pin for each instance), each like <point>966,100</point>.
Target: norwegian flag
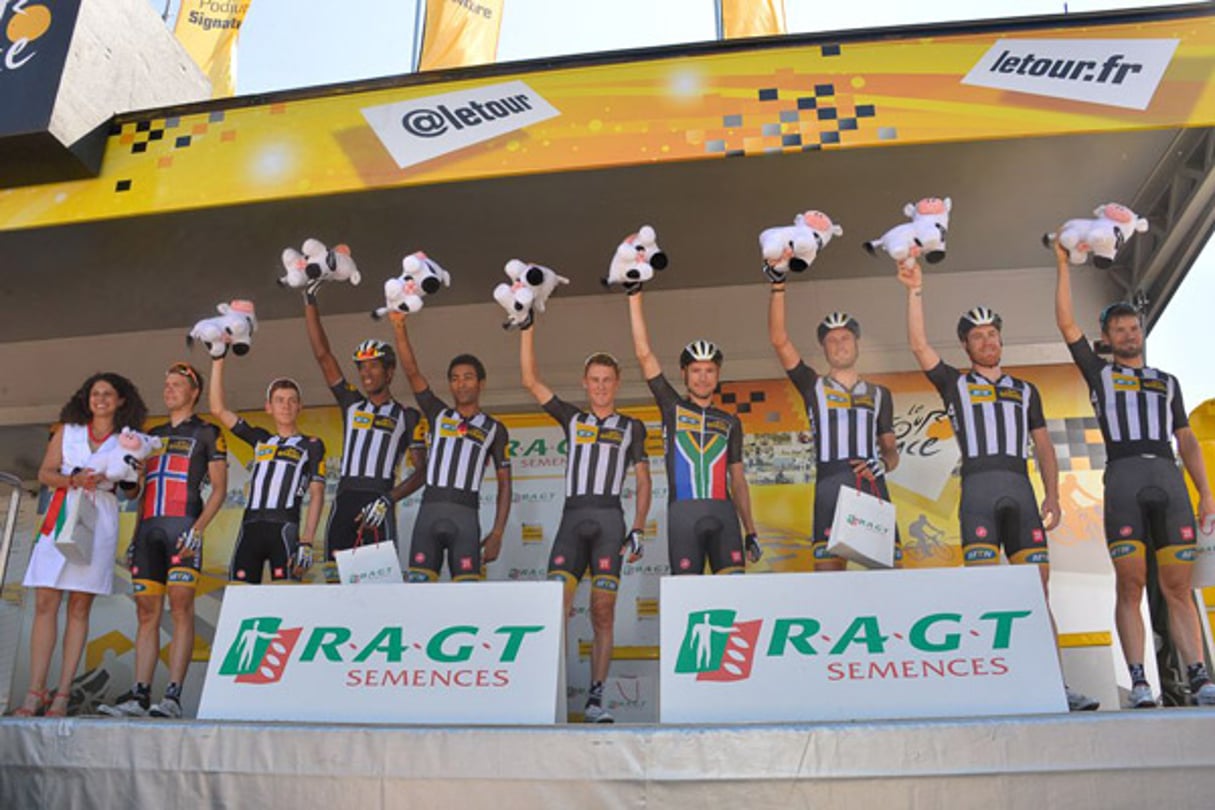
<point>167,490</point>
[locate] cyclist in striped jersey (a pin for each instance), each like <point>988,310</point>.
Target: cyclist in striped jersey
<point>601,446</point>
<point>377,432</point>
<point>852,419</point>
<point>463,440</point>
<point>286,465</point>
<point>994,416</point>
<point>706,479</point>
<point>1140,411</point>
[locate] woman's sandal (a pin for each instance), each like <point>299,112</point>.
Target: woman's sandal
<point>37,697</point>
<point>58,706</point>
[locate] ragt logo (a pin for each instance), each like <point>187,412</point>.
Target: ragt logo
<point>1114,72</point>
<point>420,129</point>
<point>23,25</point>
<point>261,651</point>
<point>716,648</point>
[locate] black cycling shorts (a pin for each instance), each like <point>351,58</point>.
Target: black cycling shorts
<point>998,508</point>
<point>1146,501</point>
<point>704,529</point>
<point>588,538</point>
<point>444,526</point>
<point>261,542</point>
<point>827,483</point>
<point>155,559</point>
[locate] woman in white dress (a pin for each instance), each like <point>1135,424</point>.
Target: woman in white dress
<point>90,423</point>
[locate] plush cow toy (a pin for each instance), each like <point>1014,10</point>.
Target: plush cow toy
<point>795,247</point>
<point>420,276</point>
<point>120,464</point>
<point>318,264</point>
<point>1102,237</point>
<point>233,327</point>
<point>635,260</point>
<point>923,236</point>
<point>528,292</point>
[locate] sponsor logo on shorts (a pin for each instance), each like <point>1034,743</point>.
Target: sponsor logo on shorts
<point>605,584</point>
<point>559,559</point>
<point>1037,557</point>
<point>605,564</point>
<point>1038,536</point>
<point>981,532</point>
<point>466,564</point>
<point>1120,550</point>
<point>736,556</point>
<point>685,564</point>
<point>1125,531</point>
<point>419,557</point>
<point>1187,533</point>
<point>980,554</point>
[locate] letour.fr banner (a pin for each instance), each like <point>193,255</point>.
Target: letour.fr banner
<point>791,98</point>
<point>857,645</point>
<point>446,653</point>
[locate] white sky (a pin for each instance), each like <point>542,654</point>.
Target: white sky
<point>299,43</point>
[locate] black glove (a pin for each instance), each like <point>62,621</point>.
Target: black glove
<point>373,514</point>
<point>310,290</point>
<point>774,275</point>
<point>751,544</point>
<point>632,287</point>
<point>130,554</point>
<point>876,466</point>
<point>303,556</point>
<point>632,545</point>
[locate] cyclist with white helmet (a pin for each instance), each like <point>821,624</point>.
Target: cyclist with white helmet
<point>377,432</point>
<point>995,416</point>
<point>707,485</point>
<point>852,419</point>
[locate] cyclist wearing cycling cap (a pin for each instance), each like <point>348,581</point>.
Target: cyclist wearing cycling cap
<point>994,416</point>
<point>852,419</point>
<point>377,432</point>
<point>707,485</point>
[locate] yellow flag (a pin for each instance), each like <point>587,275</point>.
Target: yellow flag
<point>460,32</point>
<point>208,29</point>
<point>750,18</point>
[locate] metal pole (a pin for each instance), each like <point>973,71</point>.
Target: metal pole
<point>10,521</point>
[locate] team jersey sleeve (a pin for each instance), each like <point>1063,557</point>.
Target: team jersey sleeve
<point>249,434</point>
<point>943,376</point>
<point>345,393</point>
<point>430,404</point>
<point>664,394</point>
<point>415,428</point>
<point>560,410</point>
<point>803,378</point>
<point>1034,415</point>
<point>316,460</point>
<point>499,451</point>
<point>637,452</point>
<point>1180,418</point>
<point>734,451</point>
<point>1090,364</point>
<point>885,415</point>
<point>216,447</point>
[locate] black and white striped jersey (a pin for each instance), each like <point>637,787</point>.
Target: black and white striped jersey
<point>282,469</point>
<point>599,451</point>
<point>459,447</point>
<point>847,421</point>
<point>374,438</point>
<point>992,420</point>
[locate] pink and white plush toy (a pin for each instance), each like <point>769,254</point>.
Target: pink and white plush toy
<point>795,247</point>
<point>318,264</point>
<point>1102,237</point>
<point>232,328</point>
<point>923,237</point>
<point>119,465</point>
<point>635,260</point>
<point>527,293</point>
<point>420,276</point>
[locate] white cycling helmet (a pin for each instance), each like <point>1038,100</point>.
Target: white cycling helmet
<point>979,316</point>
<point>700,350</point>
<point>838,320</point>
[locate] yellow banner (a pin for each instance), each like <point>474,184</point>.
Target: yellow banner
<point>459,33</point>
<point>751,18</point>
<point>718,106</point>
<point>208,29</point>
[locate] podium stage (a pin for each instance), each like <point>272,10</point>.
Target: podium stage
<point>1163,758</point>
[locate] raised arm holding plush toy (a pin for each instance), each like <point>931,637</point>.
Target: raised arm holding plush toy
<point>527,293</point>
<point>795,247</point>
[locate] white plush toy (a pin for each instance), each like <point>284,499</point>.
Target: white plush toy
<point>318,264</point>
<point>420,276</point>
<point>923,236</point>
<point>635,260</point>
<point>1102,237</point>
<point>118,465</point>
<point>233,327</point>
<point>795,247</point>
<point>528,292</point>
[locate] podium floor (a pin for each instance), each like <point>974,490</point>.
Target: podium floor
<point>1162,757</point>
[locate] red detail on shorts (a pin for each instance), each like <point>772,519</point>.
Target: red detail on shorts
<point>605,564</point>
<point>1187,533</point>
<point>981,532</point>
<point>134,570</point>
<point>1038,536</point>
<point>278,572</point>
<point>827,533</point>
<point>466,563</point>
<point>419,557</point>
<point>1125,531</point>
<point>559,559</point>
<point>240,574</point>
<point>736,556</point>
<point>685,564</point>
<point>175,560</point>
